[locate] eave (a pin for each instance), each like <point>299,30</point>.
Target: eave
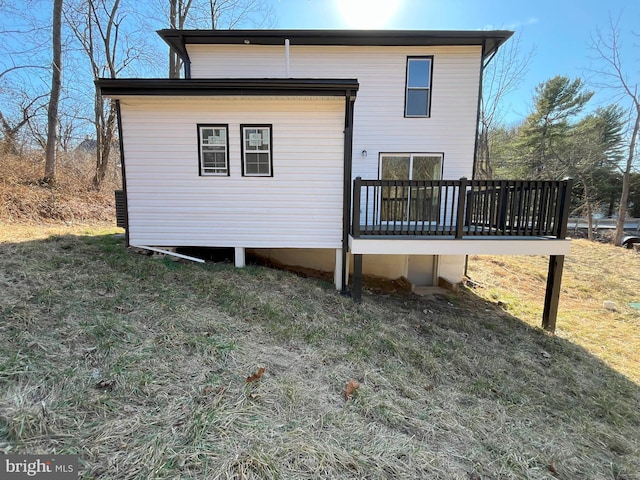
<point>489,39</point>
<point>122,87</point>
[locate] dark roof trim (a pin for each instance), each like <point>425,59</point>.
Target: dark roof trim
<point>236,86</point>
<point>178,39</point>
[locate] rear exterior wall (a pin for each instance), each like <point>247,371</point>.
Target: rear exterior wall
<point>379,123</point>
<point>170,204</point>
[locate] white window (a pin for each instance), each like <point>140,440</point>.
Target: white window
<point>257,151</point>
<point>418,88</point>
<point>213,149</point>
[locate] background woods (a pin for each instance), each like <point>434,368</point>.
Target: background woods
<point>52,115</point>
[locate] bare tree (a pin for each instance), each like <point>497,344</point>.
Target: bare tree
<point>97,24</point>
<point>10,129</point>
<point>54,99</point>
<point>178,11</point>
<point>610,74</point>
<point>502,76</point>
<point>230,14</point>
<point>217,15</point>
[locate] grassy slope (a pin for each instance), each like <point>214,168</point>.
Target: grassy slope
<point>450,388</point>
<point>593,273</point>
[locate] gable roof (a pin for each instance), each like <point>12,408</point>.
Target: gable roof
<point>490,40</point>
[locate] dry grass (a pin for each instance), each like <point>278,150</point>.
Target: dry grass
<point>72,200</point>
<point>593,273</point>
<point>450,388</point>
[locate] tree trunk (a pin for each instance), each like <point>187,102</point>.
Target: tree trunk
<point>105,133</point>
<point>588,210</point>
<point>174,71</point>
<point>54,100</point>
<point>626,181</point>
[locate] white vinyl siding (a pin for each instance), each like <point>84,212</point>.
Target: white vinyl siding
<point>171,205</point>
<point>380,122</point>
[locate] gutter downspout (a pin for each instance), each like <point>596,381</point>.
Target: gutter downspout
<point>185,59</point>
<point>483,64</point>
<point>475,144</point>
<point>347,173</point>
<point>286,58</point>
<point>168,252</point>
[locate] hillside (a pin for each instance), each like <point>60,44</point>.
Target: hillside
<point>23,199</point>
<point>151,368</point>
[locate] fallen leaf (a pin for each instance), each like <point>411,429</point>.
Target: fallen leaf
<point>207,390</point>
<point>257,375</point>
<point>352,386</point>
<point>105,384</point>
<point>552,469</point>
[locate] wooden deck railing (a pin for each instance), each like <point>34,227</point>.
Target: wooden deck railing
<point>460,208</point>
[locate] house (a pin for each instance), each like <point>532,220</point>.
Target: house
<point>334,150</point>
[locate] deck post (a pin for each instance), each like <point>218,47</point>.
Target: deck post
<point>356,291</point>
<point>552,295</point>
<point>239,257</point>
<point>462,197</point>
<point>355,222</point>
<point>556,262</point>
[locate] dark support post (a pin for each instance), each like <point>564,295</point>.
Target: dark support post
<point>556,262</point>
<point>355,222</point>
<point>123,173</point>
<point>356,291</point>
<point>462,196</point>
<point>565,202</point>
<point>552,295</point>
<point>346,198</point>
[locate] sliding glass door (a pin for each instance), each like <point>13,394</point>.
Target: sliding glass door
<point>404,203</point>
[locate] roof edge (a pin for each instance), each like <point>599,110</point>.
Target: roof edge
<point>122,87</point>
<point>489,39</point>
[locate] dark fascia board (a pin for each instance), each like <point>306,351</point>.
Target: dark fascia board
<point>491,39</point>
<point>235,86</point>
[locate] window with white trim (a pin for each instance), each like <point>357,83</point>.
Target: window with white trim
<point>417,101</point>
<point>416,203</point>
<point>213,149</point>
<point>257,159</point>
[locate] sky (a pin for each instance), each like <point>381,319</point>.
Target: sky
<point>558,32</point>
<point>554,33</point>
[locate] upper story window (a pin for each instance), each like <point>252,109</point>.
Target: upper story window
<point>257,160</point>
<point>418,89</point>
<point>213,149</point>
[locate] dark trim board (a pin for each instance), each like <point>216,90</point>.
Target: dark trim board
<point>121,87</point>
<point>346,179</point>
<point>179,39</point>
<point>123,171</point>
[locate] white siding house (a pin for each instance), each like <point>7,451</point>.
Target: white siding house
<point>335,150</point>
<point>170,204</point>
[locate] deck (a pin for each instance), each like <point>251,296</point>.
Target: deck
<point>463,217</point>
<point>460,208</point>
